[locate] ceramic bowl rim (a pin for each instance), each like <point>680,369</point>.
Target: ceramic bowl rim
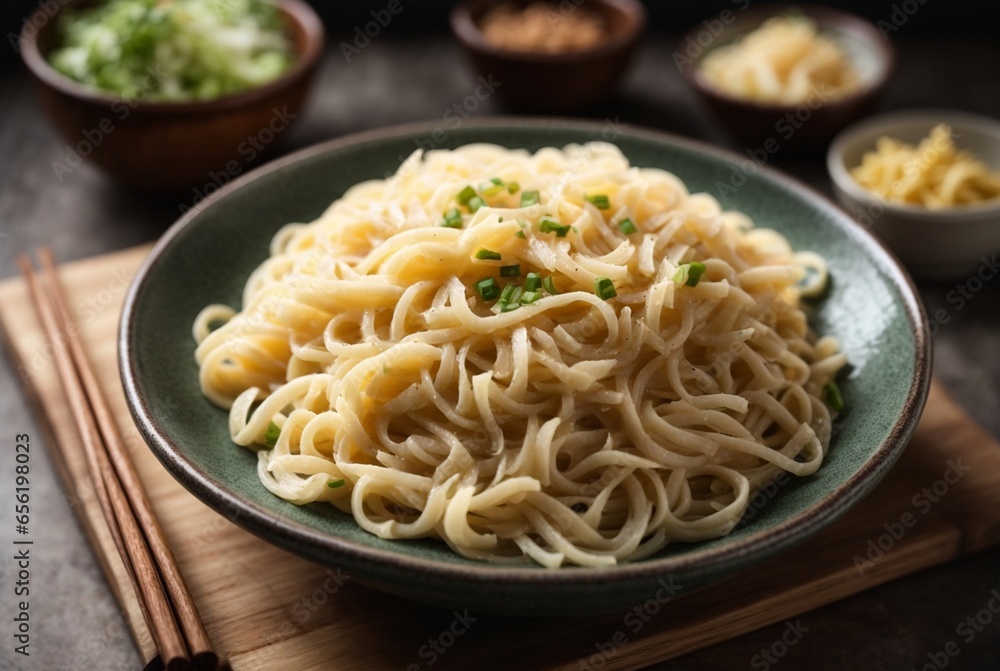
<point>313,543</point>
<point>882,124</point>
<point>295,10</point>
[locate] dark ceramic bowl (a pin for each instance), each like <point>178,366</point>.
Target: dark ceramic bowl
<point>564,82</point>
<point>773,126</point>
<point>206,258</point>
<point>169,146</point>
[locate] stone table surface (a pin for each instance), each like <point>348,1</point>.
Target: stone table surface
<point>75,620</point>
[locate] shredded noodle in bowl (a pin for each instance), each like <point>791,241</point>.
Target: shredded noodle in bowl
<point>578,363</point>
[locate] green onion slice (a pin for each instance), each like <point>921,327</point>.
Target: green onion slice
<point>549,225</point>
<point>484,254</point>
<point>271,435</point>
<point>491,189</point>
<point>604,288</point>
<point>333,484</point>
<point>627,226</point>
<point>549,285</point>
<point>452,218</point>
<point>689,273</point>
<point>487,288</point>
<point>529,198</point>
<point>832,396</point>
<point>529,297</point>
<point>600,201</point>
<point>532,281</point>
<point>465,195</point>
<point>510,271</point>
<point>510,293</point>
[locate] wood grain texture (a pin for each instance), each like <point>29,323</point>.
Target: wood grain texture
<point>266,609</point>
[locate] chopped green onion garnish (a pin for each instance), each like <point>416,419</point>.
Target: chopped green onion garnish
<point>529,198</point>
<point>600,201</point>
<point>487,288</point>
<point>466,194</point>
<point>453,218</point>
<point>496,180</point>
<point>520,234</point>
<point>604,288</point>
<point>549,285</point>
<point>508,292</point>
<point>532,281</point>
<point>500,219</point>
<point>512,187</point>
<point>529,297</point>
<point>510,271</point>
<point>333,484</point>
<point>831,394</point>
<point>475,203</point>
<point>271,435</point>
<point>689,273</point>
<point>487,255</point>
<point>491,189</point>
<point>627,227</point>
<point>549,225</point>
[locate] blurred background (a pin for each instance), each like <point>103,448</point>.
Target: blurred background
<point>964,17</point>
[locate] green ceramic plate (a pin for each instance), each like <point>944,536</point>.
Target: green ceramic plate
<point>207,255</point>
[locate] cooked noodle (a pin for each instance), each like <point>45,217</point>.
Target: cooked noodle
<point>574,429</point>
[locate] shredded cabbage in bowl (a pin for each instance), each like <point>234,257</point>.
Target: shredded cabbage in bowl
<point>173,50</point>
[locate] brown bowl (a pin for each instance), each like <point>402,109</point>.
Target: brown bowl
<point>169,146</point>
<point>562,82</point>
<point>773,126</point>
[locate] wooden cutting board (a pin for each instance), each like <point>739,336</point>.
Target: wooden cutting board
<point>266,609</point>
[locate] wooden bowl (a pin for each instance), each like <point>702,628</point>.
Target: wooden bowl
<point>169,146</point>
<point>562,82</point>
<point>773,126</point>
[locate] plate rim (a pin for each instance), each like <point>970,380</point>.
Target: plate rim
<point>327,548</point>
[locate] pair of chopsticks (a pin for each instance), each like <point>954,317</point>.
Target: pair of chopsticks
<point>165,601</point>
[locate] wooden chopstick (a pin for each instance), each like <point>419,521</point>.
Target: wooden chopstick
<point>161,593</point>
<point>193,630</point>
<point>93,464</point>
<point>160,616</point>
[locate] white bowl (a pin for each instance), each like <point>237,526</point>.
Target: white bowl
<point>948,243</point>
